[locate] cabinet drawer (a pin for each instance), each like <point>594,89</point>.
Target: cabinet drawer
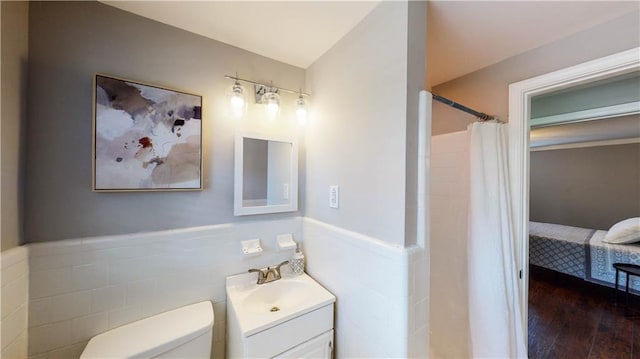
<point>316,348</point>
<point>273,341</point>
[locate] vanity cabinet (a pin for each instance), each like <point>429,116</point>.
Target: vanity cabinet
<point>305,336</point>
<point>318,347</point>
<point>288,318</point>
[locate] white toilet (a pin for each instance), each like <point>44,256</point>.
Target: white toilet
<point>180,333</point>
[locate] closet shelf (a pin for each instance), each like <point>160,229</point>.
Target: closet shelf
<point>599,113</point>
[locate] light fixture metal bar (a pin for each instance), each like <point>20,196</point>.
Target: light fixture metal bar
<point>266,85</point>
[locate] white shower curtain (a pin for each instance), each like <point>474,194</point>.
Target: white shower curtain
<point>495,318</point>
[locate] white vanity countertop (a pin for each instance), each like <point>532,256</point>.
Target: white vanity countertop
<point>292,296</point>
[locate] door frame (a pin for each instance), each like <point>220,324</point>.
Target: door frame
<point>520,94</point>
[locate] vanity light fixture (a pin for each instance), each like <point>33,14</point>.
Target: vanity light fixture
<point>273,104</point>
<point>270,97</point>
<point>238,99</point>
<point>267,95</point>
<point>301,109</point>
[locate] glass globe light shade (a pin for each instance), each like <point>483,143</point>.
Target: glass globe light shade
<point>238,101</point>
<point>301,110</point>
<point>272,102</point>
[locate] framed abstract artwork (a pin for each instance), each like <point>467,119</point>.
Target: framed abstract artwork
<point>145,137</point>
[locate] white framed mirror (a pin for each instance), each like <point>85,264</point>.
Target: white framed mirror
<point>266,175</point>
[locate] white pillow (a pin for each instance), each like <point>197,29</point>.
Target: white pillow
<point>624,232</point>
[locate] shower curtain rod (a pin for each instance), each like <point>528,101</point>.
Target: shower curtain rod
<point>481,115</point>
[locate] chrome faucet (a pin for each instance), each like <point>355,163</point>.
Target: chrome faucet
<point>269,274</point>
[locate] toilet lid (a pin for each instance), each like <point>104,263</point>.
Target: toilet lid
<point>152,336</point>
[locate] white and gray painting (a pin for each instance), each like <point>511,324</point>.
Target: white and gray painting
<point>146,137</point>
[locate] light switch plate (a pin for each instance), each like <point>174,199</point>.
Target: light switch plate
<point>334,196</point>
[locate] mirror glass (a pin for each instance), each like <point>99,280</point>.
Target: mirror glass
<point>266,175</point>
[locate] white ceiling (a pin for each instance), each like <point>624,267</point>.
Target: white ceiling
<point>294,32</point>
<point>464,36</point>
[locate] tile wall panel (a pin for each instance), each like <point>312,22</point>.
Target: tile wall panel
<point>419,316</point>
<point>369,279</point>
<point>14,297</point>
<point>449,197</point>
<point>82,287</point>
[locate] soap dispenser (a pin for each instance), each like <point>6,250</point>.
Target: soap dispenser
<point>297,262</point>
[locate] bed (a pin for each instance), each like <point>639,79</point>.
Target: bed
<point>580,252</point>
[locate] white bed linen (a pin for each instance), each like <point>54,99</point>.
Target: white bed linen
<point>603,255</point>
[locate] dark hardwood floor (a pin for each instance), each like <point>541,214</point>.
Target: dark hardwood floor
<point>571,318</point>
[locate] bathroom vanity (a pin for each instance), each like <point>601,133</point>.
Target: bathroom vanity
<point>288,318</point>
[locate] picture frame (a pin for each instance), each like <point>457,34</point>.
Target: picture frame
<point>145,137</point>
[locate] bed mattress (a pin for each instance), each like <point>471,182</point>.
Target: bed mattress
<point>581,252</point>
<point>600,259</point>
<point>560,248</point>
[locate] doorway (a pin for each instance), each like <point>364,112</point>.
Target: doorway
<point>520,100</point>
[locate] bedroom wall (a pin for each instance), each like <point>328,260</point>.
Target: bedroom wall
<point>487,90</point>
<point>69,42</point>
<point>15,54</point>
<point>591,187</point>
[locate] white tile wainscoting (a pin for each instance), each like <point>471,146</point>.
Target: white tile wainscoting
<point>14,296</point>
<point>78,288</point>
<point>418,325</point>
<point>378,289</point>
<point>81,287</point>
<point>449,209</point>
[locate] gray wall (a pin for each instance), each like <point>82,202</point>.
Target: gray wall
<point>359,143</point>
<point>69,42</point>
<point>487,90</point>
<point>15,52</point>
<point>592,187</point>
<point>449,119</point>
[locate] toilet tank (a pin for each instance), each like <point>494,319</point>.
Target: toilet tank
<point>180,333</point>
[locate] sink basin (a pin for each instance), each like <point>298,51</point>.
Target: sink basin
<point>279,295</point>
<point>261,306</point>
